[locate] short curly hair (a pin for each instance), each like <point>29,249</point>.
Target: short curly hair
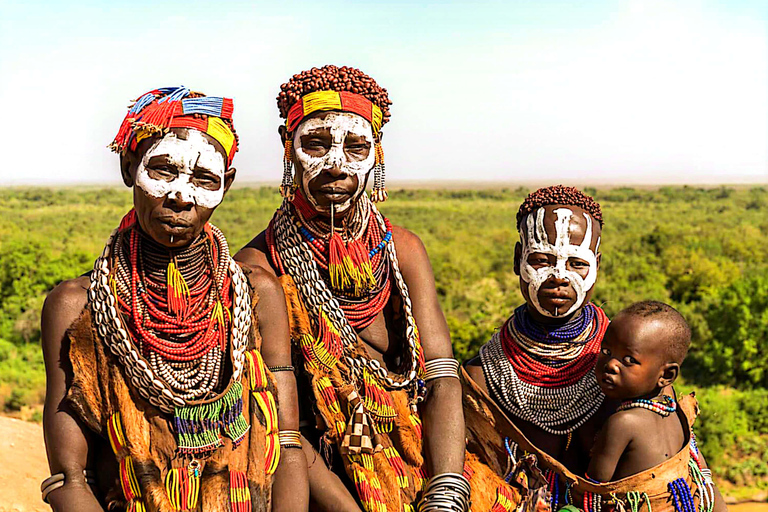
<point>559,194</point>
<point>675,325</point>
<point>332,78</point>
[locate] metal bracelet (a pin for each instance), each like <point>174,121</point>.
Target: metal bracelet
<point>439,368</point>
<point>289,438</point>
<point>288,368</point>
<point>446,492</point>
<point>58,480</point>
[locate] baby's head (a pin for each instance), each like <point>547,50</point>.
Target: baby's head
<point>642,350</point>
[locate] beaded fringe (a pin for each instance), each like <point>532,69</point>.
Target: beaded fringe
<point>379,193</point>
<point>183,488</point>
<point>504,500</point>
<point>378,403</point>
<point>199,427</point>
<point>349,266</point>
<point>127,475</point>
<point>257,376</point>
<point>286,188</point>
<point>239,493</point>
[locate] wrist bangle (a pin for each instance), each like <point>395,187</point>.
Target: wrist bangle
<point>288,368</point>
<point>289,438</point>
<point>439,368</point>
<point>446,492</point>
<point>58,480</point>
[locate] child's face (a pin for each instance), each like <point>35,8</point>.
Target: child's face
<point>632,357</point>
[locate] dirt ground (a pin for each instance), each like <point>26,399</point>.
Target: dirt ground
<point>23,466</point>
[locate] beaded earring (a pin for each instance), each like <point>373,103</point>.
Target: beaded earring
<point>286,188</point>
<point>379,193</point>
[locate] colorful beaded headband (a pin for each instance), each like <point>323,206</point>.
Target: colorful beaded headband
<point>332,100</point>
<point>170,107</point>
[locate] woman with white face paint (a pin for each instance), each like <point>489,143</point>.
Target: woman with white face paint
<point>357,289</point>
<point>155,348</point>
<point>538,368</point>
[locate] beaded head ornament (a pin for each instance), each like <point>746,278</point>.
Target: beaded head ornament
<point>333,88</point>
<point>177,107</point>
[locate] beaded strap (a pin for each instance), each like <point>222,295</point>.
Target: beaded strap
<point>287,368</point>
<point>663,406</point>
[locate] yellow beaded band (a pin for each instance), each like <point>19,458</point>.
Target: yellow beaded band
<point>333,100</point>
<point>289,438</point>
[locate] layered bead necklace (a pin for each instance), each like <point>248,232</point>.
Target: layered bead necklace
<point>663,406</point>
<point>365,242</point>
<point>545,375</point>
<point>301,245</point>
<point>168,316</point>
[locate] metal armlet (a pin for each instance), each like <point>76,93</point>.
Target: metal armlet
<point>58,480</point>
<point>440,368</point>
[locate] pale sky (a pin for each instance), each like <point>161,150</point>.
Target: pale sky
<point>624,91</point>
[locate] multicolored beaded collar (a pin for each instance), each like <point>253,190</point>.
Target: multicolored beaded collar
<point>663,406</point>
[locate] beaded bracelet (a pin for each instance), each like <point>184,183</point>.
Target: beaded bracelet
<point>58,480</point>
<point>288,368</point>
<point>439,368</point>
<point>446,492</point>
<point>289,438</point>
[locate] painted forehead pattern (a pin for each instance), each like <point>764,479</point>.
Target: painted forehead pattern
<point>580,224</point>
<point>185,154</point>
<point>536,240</point>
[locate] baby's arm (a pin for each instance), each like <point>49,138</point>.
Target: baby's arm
<point>611,443</point>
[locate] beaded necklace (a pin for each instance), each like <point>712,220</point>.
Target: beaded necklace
<point>663,406</point>
<point>334,314</point>
<point>169,329</point>
<point>538,361</point>
<point>549,384</point>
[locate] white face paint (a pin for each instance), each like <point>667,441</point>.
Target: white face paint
<point>186,156</point>
<point>339,124</point>
<point>535,239</point>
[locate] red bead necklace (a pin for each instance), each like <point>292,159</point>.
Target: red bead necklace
<point>533,371</point>
<point>203,319</point>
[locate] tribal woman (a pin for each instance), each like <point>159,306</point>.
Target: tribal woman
<point>379,389</point>
<point>533,389</point>
<point>538,367</point>
<point>165,362</point>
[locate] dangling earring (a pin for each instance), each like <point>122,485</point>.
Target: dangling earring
<point>379,192</point>
<point>286,188</point>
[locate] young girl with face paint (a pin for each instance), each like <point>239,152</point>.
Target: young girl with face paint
<point>538,366</point>
<point>367,321</point>
<point>159,362</point>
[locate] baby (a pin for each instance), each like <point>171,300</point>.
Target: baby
<point>639,360</point>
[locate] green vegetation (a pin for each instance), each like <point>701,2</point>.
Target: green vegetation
<point>705,251</point>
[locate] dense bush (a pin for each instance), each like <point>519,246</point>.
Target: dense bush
<point>703,250</point>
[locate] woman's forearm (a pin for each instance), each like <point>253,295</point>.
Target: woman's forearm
<point>443,427</point>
